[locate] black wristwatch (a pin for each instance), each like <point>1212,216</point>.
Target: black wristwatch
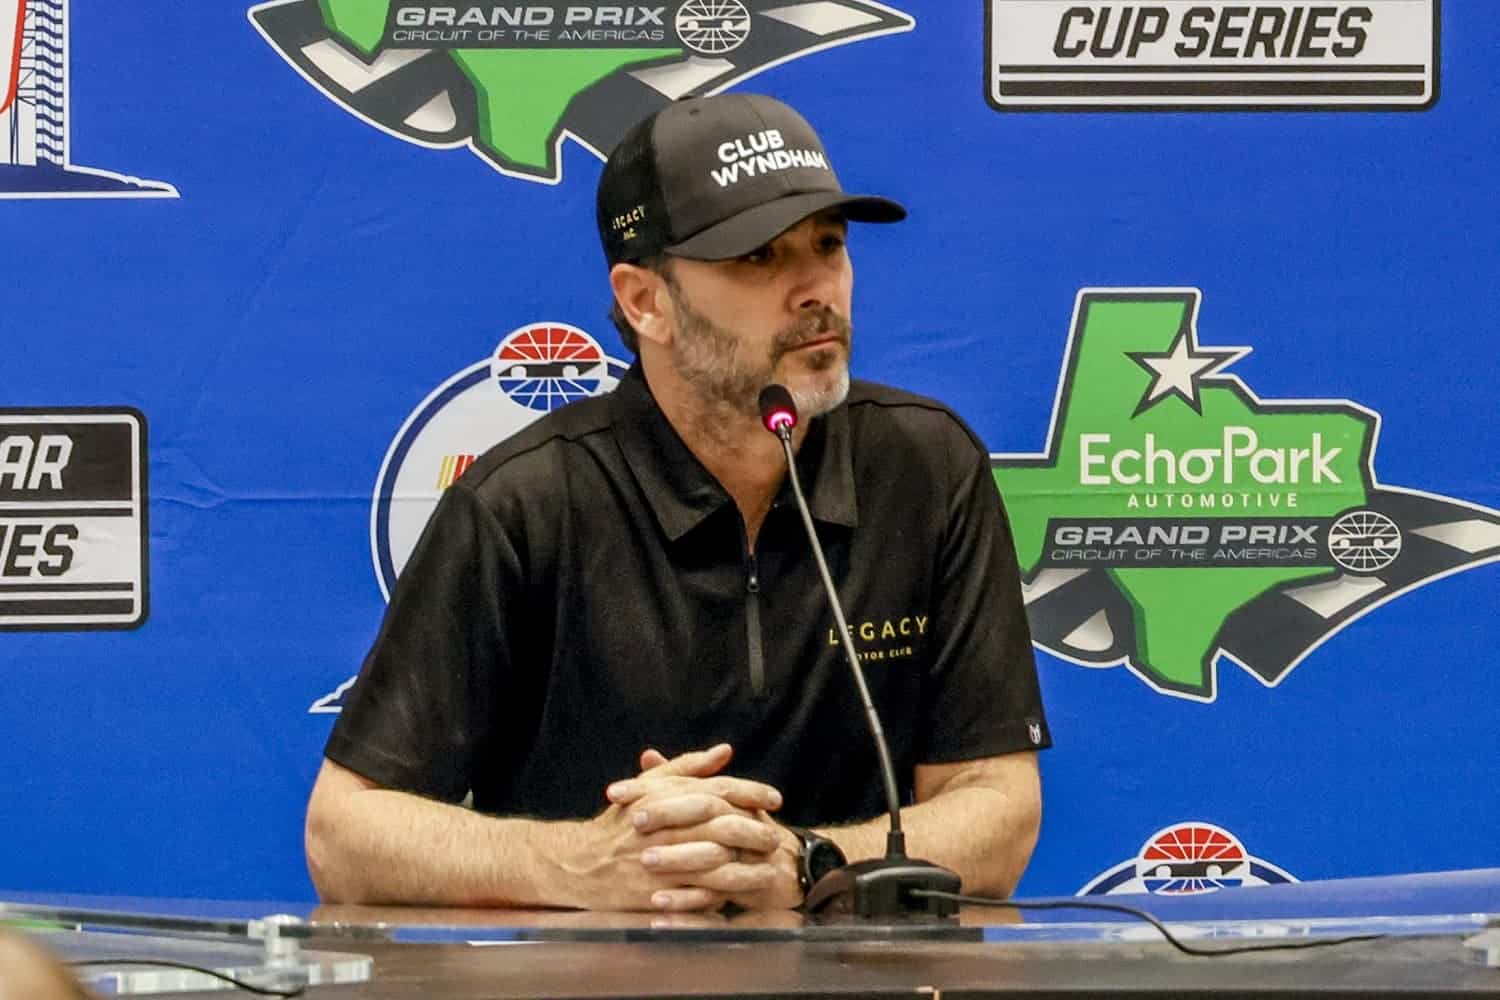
<point>819,857</point>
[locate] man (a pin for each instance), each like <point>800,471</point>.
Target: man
<point>612,634</point>
<point>29,972</point>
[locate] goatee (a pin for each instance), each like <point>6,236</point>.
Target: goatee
<point>706,356</point>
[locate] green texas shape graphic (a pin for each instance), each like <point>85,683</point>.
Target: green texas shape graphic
<point>1148,432</point>
<point>522,93</point>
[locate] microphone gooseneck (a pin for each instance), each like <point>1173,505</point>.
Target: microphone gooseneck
<point>778,412</point>
<point>879,888</point>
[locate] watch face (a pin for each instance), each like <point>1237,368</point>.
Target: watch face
<point>822,858</point>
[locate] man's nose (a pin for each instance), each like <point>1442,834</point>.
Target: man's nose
<point>815,284</point>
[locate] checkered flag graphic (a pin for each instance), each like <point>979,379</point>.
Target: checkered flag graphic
<point>424,97</point>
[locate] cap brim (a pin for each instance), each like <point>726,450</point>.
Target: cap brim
<point>755,227</point>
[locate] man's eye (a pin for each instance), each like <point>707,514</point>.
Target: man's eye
<point>760,255</point>
<point>832,244</point>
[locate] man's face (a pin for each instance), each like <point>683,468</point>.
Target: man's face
<point>778,314</point>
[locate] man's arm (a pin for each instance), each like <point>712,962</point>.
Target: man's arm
<point>370,844</point>
<point>979,818</point>
<point>982,708</point>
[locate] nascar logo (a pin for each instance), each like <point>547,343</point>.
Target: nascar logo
<point>453,466</point>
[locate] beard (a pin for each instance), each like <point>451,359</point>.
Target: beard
<point>707,356</point>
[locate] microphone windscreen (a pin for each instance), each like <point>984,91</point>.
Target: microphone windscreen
<point>777,410</point>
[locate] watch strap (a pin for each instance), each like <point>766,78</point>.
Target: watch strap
<point>811,840</point>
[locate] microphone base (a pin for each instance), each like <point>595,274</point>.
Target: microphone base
<point>880,889</point>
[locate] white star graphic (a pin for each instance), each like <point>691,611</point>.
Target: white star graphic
<point>1178,372</point>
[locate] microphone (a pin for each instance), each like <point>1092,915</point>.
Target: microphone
<point>877,888</point>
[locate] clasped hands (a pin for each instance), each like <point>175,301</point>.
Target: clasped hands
<point>682,836</point>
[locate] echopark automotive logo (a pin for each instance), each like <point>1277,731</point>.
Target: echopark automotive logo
<point>1177,521</point>
<point>510,81</point>
<point>1217,55</point>
<point>531,372</point>
<point>35,120</point>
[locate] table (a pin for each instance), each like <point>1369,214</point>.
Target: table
<point>1436,925</point>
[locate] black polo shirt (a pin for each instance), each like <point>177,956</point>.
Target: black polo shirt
<point>584,592</point>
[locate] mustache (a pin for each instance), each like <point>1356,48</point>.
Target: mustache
<point>812,325</point>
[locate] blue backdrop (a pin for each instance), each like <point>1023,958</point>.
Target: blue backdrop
<point>276,277</point>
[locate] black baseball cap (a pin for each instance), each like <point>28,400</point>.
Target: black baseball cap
<point>712,178</point>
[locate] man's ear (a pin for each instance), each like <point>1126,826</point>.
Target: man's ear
<point>640,294</point>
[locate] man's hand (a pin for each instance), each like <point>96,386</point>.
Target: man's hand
<point>694,764</point>
<point>679,837</point>
<point>711,831</point>
<point>617,867</point>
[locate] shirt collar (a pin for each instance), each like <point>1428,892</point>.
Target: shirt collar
<point>682,493</point>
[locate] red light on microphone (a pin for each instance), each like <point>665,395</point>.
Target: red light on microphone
<point>777,410</point>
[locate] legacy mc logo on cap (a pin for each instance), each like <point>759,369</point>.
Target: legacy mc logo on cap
<point>715,177</point>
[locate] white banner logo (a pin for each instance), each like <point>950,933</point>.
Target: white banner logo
<point>1188,54</point>
<point>73,531</point>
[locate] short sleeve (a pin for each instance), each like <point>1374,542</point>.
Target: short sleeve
<point>422,706</point>
<point>982,695</point>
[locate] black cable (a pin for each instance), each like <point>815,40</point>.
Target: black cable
<point>165,963</point>
<point>1148,918</point>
